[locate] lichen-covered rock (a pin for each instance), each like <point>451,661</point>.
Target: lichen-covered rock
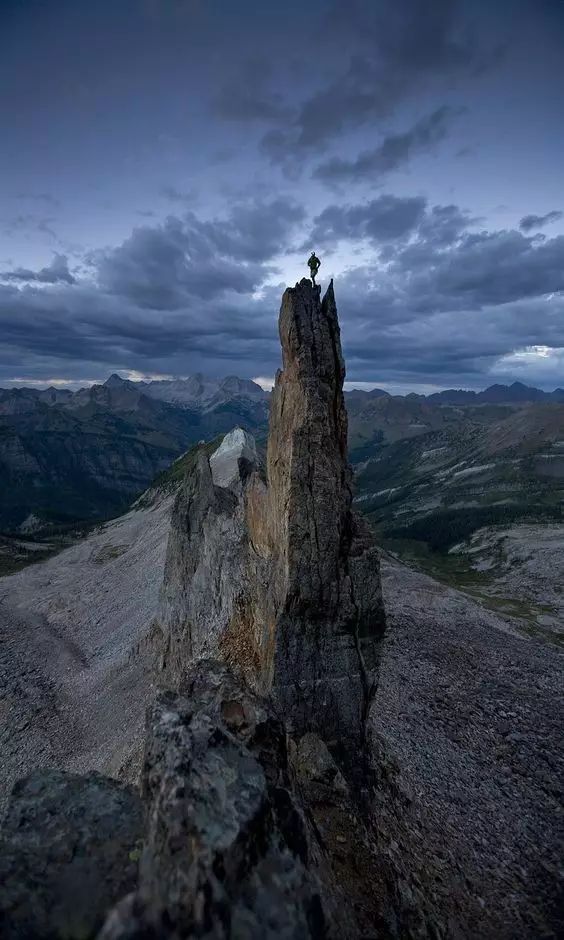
<point>226,849</point>
<point>273,572</point>
<point>68,851</point>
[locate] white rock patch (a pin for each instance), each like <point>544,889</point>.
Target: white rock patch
<point>224,462</point>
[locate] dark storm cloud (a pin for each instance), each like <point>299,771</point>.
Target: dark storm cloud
<point>480,268</point>
<point>443,225</point>
<point>437,301</point>
<point>55,272</point>
<point>455,349</point>
<point>388,217</point>
<point>529,222</point>
<point>375,55</point>
<point>389,337</point>
<point>255,231</point>
<point>436,257</point>
<point>162,266</point>
<point>158,91</point>
<point>394,151</point>
<point>444,304</point>
<point>82,332</point>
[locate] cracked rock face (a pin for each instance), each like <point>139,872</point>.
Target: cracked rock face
<point>226,849</point>
<point>204,571</point>
<point>325,594</point>
<point>271,571</point>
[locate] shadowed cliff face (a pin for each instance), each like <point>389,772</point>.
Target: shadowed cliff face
<point>272,571</point>
<point>308,475</point>
<point>324,586</point>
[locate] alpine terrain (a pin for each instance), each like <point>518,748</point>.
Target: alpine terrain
<point>229,713</point>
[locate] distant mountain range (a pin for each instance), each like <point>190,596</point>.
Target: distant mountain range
<point>202,393</point>
<point>429,475</point>
<point>80,456</point>
<point>68,456</point>
<point>517,393</point>
<point>195,392</point>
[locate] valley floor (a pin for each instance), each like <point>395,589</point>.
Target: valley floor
<point>470,708</point>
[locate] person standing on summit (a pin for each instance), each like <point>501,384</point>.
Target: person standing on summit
<point>314,264</point>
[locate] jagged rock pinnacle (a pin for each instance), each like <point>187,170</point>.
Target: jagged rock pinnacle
<point>325,584</point>
<point>274,573</point>
<point>308,473</point>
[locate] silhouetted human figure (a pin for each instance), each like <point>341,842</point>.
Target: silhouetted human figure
<point>314,264</point>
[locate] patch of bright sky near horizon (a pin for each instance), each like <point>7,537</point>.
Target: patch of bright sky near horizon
<point>111,122</point>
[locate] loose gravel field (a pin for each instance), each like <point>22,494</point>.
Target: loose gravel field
<point>468,709</point>
<point>473,712</point>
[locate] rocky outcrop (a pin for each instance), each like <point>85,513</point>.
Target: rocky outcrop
<point>324,599</point>
<point>234,459</point>
<point>226,851</point>
<point>270,570</point>
<point>269,637</point>
<point>68,852</point>
<point>239,833</point>
<point>205,571</point>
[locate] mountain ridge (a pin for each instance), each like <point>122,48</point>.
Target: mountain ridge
<point>517,392</point>
<point>198,390</point>
<point>69,457</point>
<point>83,456</point>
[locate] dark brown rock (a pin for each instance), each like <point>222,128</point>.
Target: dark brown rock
<point>324,592</point>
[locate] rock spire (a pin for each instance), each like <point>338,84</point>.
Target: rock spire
<point>268,568</point>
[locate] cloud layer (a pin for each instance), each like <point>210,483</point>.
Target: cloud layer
<point>185,158</point>
<point>436,299</point>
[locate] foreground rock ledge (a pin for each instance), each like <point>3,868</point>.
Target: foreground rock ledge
<point>226,848</point>
<point>272,571</point>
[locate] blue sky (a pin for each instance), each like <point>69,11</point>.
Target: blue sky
<point>168,165</point>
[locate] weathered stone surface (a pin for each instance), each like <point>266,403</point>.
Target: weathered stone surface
<point>204,571</point>
<point>68,851</point>
<point>277,576</point>
<point>226,850</point>
<point>324,591</point>
<point>342,847</point>
<point>316,770</point>
<point>234,458</point>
